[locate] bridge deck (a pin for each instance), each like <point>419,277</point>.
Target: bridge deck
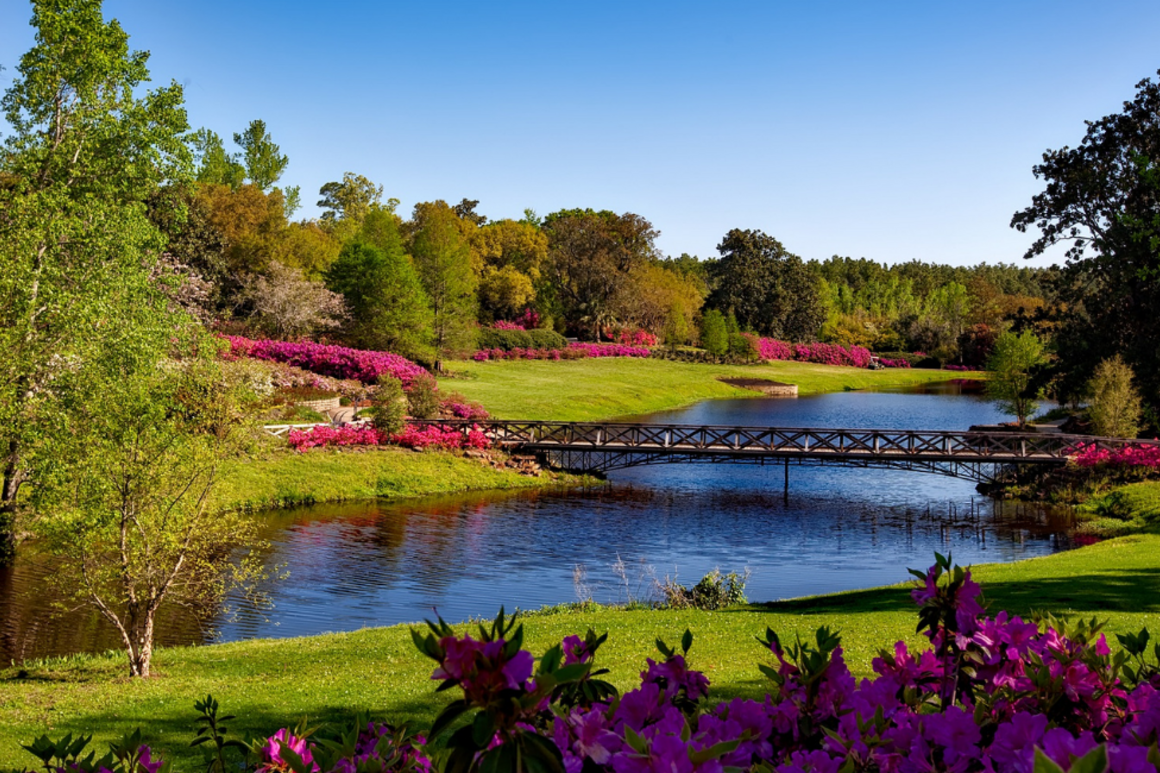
<point>860,445</point>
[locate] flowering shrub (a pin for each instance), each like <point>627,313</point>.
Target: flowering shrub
<point>958,367</point>
<point>503,325</point>
<point>990,695</point>
<point>823,354</point>
<point>886,362</point>
<point>529,320</point>
<point>637,337</point>
<point>609,350</point>
<point>335,361</point>
<point>463,409</point>
<point>412,436</point>
<point>574,351</point>
<point>1131,455</point>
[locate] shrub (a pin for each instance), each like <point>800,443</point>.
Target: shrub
<point>1114,404</point>
<point>517,338</point>
<point>714,591</point>
<point>334,361</point>
<point>389,405</point>
<point>422,400</point>
<point>714,332</point>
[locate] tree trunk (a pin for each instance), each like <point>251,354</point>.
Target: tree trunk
<point>141,646</point>
<point>12,480</point>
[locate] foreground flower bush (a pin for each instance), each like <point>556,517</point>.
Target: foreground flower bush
<point>337,362</point>
<point>990,694</point>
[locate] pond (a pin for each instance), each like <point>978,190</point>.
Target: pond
<point>373,563</point>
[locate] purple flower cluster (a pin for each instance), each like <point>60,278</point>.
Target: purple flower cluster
<point>987,695</point>
<point>334,361</point>
<point>377,746</point>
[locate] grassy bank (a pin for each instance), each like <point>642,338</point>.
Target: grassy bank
<point>1125,509</point>
<point>326,678</point>
<point>285,478</point>
<point>596,389</point>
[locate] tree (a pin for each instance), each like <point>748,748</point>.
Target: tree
<point>132,523</point>
<point>1101,200</point>
<point>261,157</point>
<point>214,164</point>
<point>287,305</point>
<point>768,288</point>
<point>87,149</point>
<point>1114,405</point>
<point>388,307</point>
<point>348,202</point>
<point>590,257</point>
<point>1010,370</point>
<point>714,332</point>
<point>443,261</point>
<point>510,255</point>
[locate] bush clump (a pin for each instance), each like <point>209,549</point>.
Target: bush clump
<point>714,591</point>
<point>491,338</point>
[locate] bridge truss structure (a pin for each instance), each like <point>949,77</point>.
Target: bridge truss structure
<point>600,447</point>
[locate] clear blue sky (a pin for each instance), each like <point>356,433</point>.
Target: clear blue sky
<point>888,130</point>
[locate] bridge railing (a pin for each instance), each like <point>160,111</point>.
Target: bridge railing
<point>789,441</point>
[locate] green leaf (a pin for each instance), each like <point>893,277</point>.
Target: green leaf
<point>1043,764</point>
<point>450,713</point>
<point>1095,761</point>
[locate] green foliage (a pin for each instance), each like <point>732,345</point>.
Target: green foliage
<point>1114,405</point>
<point>347,203</point>
<point>714,332</point>
<point>1010,369</point>
<point>211,731</point>
<point>261,157</point>
<point>389,405</point>
<point>591,255</point>
<point>1100,199</point>
<point>768,288</point>
<point>388,307</point>
<point>88,146</point>
<point>490,338</point>
<point>125,510</point>
<point>423,397</point>
<point>442,261</point>
<point>214,164</point>
<point>714,591</point>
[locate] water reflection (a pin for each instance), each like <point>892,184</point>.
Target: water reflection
<point>372,563</point>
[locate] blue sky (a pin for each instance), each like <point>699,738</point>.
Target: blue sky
<point>888,130</point>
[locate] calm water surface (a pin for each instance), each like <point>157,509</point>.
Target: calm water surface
<point>365,564</point>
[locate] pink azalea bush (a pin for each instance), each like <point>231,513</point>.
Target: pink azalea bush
<point>417,436</point>
<point>1130,455</point>
<point>500,324</point>
<point>823,354</point>
<point>338,362</point>
<point>886,362</point>
<point>574,351</point>
<point>635,337</point>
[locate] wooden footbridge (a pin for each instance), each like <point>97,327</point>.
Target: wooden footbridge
<point>601,447</point>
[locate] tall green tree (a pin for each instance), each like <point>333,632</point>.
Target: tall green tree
<point>1114,405</point>
<point>1010,374</point>
<point>768,288</point>
<point>443,261</point>
<point>261,156</point>
<point>1101,200</point>
<point>389,309</point>
<point>88,147</point>
<point>214,164</point>
<point>590,257</point>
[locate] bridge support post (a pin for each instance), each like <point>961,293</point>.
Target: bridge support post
<point>785,492</point>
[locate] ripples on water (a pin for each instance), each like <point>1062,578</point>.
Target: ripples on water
<point>366,564</point>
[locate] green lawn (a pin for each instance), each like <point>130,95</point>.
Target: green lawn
<point>283,478</point>
<point>274,682</point>
<point>605,388</point>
